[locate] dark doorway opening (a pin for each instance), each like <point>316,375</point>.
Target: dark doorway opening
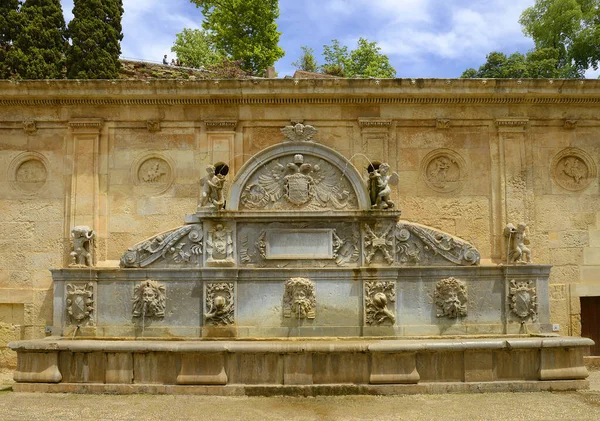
<point>590,321</point>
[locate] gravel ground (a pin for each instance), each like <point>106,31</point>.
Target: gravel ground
<point>583,405</point>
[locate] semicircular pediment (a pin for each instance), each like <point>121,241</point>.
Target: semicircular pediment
<point>298,176</point>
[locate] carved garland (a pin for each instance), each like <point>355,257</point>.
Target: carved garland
<point>378,295</point>
<point>220,304</point>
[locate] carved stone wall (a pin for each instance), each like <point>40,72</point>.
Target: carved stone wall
<point>85,154</point>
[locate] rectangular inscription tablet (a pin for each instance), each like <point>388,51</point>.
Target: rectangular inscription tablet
<point>299,244</point>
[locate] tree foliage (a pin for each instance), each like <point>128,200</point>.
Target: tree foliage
<point>244,30</point>
<point>363,62</point>
<point>307,60</point>
<point>543,63</point>
<point>194,48</point>
<point>38,47</point>
<point>566,34</point>
<point>8,31</point>
<point>96,35</point>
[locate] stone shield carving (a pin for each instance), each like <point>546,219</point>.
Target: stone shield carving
<point>80,303</point>
<point>379,296</point>
<point>573,169</point>
<point>523,299</point>
<point>219,303</point>
<point>298,182</point>
<point>444,170</point>
<point>181,247</point>
<point>219,247</point>
<point>299,299</point>
<point>451,298</point>
<point>149,300</point>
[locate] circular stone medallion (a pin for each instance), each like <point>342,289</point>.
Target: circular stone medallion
<point>153,172</point>
<point>28,172</point>
<point>573,169</point>
<point>443,170</point>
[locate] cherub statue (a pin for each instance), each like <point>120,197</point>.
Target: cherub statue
<point>518,252</point>
<point>379,187</point>
<point>212,189</point>
<point>81,255</point>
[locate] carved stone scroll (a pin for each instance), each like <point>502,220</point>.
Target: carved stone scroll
<point>523,299</point>
<point>451,298</point>
<point>219,303</point>
<point>418,244</point>
<point>379,296</point>
<point>181,247</point>
<point>149,300</point>
<point>299,299</point>
<point>80,304</point>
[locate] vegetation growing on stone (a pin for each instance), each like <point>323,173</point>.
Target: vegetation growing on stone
<point>96,35</point>
<point>8,31</point>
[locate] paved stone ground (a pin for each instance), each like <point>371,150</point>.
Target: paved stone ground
<point>583,405</point>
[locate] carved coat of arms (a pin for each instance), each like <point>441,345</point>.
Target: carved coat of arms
<point>523,299</point>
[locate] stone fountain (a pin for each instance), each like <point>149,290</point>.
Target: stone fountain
<point>300,277</point>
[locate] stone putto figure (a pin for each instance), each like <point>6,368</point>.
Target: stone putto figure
<point>212,189</point>
<point>518,252</point>
<point>379,186</point>
<point>81,256</point>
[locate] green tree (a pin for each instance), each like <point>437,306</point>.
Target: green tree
<point>244,30</point>
<point>307,60</point>
<point>571,27</point>
<point>38,50</point>
<point>8,31</point>
<point>194,48</point>
<point>363,62</point>
<point>96,35</point>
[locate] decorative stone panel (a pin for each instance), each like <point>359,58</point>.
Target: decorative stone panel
<point>573,169</point>
<point>153,173</point>
<point>444,170</point>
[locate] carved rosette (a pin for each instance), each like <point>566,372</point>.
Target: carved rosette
<point>378,242</point>
<point>149,300</point>
<point>418,244</point>
<point>299,299</point>
<point>380,296</point>
<point>219,303</point>
<point>444,170</point>
<point>573,169</point>
<point>451,298</point>
<point>181,247</point>
<point>523,299</point>
<point>80,304</point>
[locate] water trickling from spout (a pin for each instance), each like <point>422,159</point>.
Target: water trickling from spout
<point>75,332</point>
<point>144,318</point>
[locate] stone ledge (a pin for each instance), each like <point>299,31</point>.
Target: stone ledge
<point>306,391</point>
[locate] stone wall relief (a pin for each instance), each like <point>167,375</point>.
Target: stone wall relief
<point>153,173</point>
<point>149,300</point>
<point>378,241</point>
<point>379,295</point>
<point>523,299</point>
<point>219,303</point>
<point>299,300</point>
<point>517,242</point>
<point>153,126</point>
<point>573,169</point>
<point>451,298</point>
<point>444,170</point>
<point>28,173</point>
<point>80,304</point>
<point>299,133</point>
<point>418,244</point>
<point>182,246</point>
<point>298,182</point>
<point>30,126</point>
<point>214,187</point>
<point>83,240</point>
<point>380,180</point>
<point>219,246</point>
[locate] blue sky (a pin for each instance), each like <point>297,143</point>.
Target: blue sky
<point>423,38</point>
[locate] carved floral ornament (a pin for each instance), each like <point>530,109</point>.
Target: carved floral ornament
<point>573,169</point>
<point>444,170</point>
<point>380,297</point>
